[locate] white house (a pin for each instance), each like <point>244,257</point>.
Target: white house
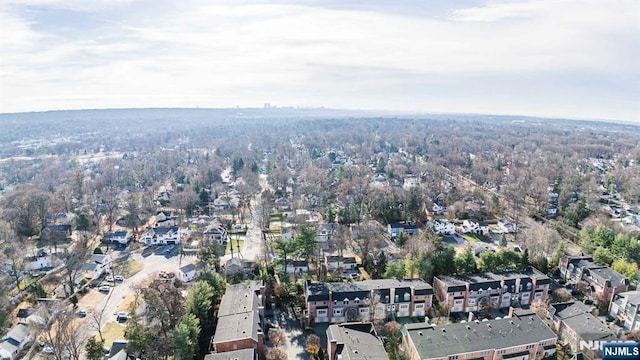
<point>475,226</point>
<point>438,210</point>
<point>216,233</point>
<point>396,228</point>
<point>325,231</point>
<point>186,273</point>
<point>334,263</point>
<point>443,227</point>
<point>121,237</point>
<point>162,235</point>
<point>96,266</point>
<point>15,340</point>
<point>32,263</point>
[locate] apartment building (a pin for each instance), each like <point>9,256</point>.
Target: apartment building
<point>604,280</point>
<point>240,319</point>
<point>521,336</point>
<point>337,302</point>
<point>354,341</point>
<point>485,291</point>
<point>577,324</point>
<point>626,307</point>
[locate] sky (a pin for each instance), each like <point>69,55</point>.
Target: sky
<point>554,58</point>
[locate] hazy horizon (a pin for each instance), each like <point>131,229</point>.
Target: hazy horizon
<point>526,58</point>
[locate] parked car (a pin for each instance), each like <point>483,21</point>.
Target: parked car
<point>82,313</point>
<point>109,278</point>
<point>104,288</point>
<point>48,350</point>
<point>118,278</point>
<point>122,316</point>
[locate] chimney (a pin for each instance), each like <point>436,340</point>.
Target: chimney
<point>332,348</point>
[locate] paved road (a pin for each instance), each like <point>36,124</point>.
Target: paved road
<point>253,246</point>
<point>108,306</point>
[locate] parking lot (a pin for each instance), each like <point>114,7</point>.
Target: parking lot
<point>295,337</point>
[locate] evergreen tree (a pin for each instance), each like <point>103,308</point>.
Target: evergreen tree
<point>185,338</point>
<point>524,260</point>
<point>94,349</point>
<point>466,262</point>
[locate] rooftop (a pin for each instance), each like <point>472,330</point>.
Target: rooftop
<point>244,354</point>
<point>489,277</point>
<point>356,341</point>
<point>238,298</point>
<point>632,297</point>
<point>366,286</point>
<point>443,341</point>
<point>237,326</point>
<point>602,274</point>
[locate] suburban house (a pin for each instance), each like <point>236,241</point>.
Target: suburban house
<point>186,273</point>
<point>38,262</point>
<point>337,302</point>
<point>506,227</point>
<point>296,267</point>
<point>442,227</point>
<point>216,233</point>
<point>220,204</point>
<point>484,291</point>
<point>334,263</point>
<point>324,234</point>
<point>475,227</point>
<point>96,266</point>
<point>244,354</point>
<point>626,307</point>
<point>15,340</point>
<point>162,236</point>
<point>438,210</point>
<point>408,228</point>
<point>121,237</point>
<point>602,279</point>
<point>283,204</point>
<point>118,350</point>
<point>239,319</point>
<point>61,231</point>
<point>354,341</point>
<point>520,336</point>
<point>576,323</point>
<point>166,219</point>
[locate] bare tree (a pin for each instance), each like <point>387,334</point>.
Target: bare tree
<point>63,335</point>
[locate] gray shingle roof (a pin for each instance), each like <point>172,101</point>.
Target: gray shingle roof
<point>244,354</point>
<point>237,326</point>
<point>442,341</point>
<point>367,285</point>
<point>356,341</point>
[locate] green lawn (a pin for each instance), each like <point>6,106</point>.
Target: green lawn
<point>238,243</point>
<point>470,238</point>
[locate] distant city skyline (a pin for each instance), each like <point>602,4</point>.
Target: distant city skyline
<point>546,58</point>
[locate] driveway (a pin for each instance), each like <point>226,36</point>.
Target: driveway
<point>296,339</point>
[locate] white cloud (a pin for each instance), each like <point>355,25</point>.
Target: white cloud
<point>246,53</point>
